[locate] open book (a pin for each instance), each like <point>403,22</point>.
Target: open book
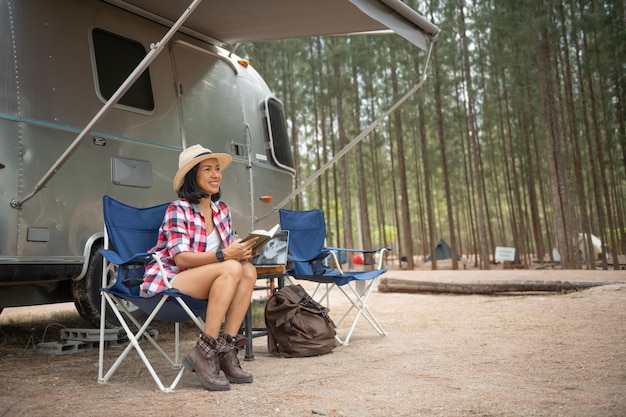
<point>263,237</point>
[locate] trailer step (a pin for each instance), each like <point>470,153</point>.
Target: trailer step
<point>82,340</point>
<point>65,348</point>
<point>89,335</point>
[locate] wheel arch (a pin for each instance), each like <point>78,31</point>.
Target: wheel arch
<point>90,247</point>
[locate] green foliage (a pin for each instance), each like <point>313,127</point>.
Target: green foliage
<point>520,106</point>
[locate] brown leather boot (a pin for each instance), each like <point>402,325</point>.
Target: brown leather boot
<point>229,363</point>
<point>203,360</point>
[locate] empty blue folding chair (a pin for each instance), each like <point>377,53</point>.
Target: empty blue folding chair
<point>129,233</point>
<point>311,260</point>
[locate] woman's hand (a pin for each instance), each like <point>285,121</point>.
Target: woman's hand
<point>239,250</point>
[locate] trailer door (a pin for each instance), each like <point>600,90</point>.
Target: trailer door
<point>211,114</point>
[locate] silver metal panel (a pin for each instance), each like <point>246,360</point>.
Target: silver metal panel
<point>211,100</point>
<point>9,143</point>
<point>38,234</point>
<point>54,106</point>
<point>219,107</point>
<point>131,172</point>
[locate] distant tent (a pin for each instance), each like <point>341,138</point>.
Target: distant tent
<point>442,250</point>
<point>596,244</point>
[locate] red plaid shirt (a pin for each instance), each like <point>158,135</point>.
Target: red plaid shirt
<point>183,230</point>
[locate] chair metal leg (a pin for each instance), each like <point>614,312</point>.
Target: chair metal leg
<point>360,303</point>
<point>133,342</point>
<point>247,331</point>
<point>325,296</point>
<point>252,332</point>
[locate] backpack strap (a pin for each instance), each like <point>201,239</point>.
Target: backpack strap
<point>293,293</point>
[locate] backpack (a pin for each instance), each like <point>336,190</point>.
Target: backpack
<point>297,325</point>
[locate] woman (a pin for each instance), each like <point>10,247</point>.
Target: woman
<point>201,258</point>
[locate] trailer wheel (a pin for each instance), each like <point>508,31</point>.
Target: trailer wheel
<point>86,291</point>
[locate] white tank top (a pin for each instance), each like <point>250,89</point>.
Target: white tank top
<point>213,241</point>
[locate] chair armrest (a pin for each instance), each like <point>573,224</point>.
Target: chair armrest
<point>162,269</point>
<point>384,248</point>
<point>133,267</point>
<point>320,255</point>
<point>333,255</point>
<point>144,258</point>
<point>114,258</point>
<point>380,251</point>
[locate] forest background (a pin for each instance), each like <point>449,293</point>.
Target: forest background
<point>517,138</point>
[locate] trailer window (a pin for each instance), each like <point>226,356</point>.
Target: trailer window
<point>277,129</point>
<point>116,57</point>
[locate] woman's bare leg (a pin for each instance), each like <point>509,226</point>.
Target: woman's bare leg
<point>241,299</point>
<point>216,282</point>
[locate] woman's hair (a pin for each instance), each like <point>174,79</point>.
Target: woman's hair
<point>190,190</point>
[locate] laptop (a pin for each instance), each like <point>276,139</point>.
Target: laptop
<point>274,252</point>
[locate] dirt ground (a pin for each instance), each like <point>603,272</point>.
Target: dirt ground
<point>443,355</point>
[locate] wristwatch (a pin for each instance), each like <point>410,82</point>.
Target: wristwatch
<point>219,255</point>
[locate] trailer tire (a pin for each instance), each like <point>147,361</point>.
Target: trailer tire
<point>86,292</point>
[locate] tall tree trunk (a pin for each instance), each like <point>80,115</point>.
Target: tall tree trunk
<point>591,146</point>
<point>430,216</point>
<point>532,167</point>
<point>552,145</point>
<point>343,164</point>
<point>396,210</point>
<point>600,144</point>
<point>398,134</point>
<point>319,119</point>
<point>473,138</point>
<point>603,180</point>
<point>377,166</point>
<point>366,235</point>
<point>575,140</point>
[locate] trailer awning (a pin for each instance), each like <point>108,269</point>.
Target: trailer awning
<point>235,21</point>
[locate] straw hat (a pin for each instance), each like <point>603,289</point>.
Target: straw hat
<point>194,155</point>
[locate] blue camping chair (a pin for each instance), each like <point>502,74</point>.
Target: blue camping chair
<point>310,260</point>
<point>129,233</point>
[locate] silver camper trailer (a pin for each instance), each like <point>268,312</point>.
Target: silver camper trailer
<point>99,97</point>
